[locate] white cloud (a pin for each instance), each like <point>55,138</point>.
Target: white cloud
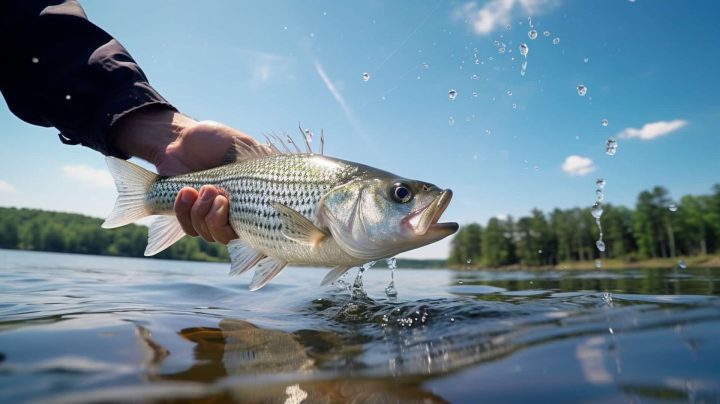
<point>7,188</point>
<point>653,129</point>
<point>578,165</point>
<point>90,175</point>
<point>495,14</point>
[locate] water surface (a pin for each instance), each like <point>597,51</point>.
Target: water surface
<point>77,328</point>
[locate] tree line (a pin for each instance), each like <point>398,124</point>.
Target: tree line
<point>39,230</point>
<point>656,228</point>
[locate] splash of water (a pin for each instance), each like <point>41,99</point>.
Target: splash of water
<point>390,290</point>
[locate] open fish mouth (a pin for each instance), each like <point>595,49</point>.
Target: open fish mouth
<point>426,218</point>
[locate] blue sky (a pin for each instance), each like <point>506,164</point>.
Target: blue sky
<point>649,67</point>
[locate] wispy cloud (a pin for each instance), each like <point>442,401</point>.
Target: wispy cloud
<point>89,175</point>
<point>653,129</point>
<point>578,165</point>
<point>7,188</point>
<point>341,102</point>
<point>494,14</point>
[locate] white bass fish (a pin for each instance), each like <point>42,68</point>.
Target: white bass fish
<point>292,208</point>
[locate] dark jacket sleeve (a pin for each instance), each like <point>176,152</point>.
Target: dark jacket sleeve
<point>59,69</point>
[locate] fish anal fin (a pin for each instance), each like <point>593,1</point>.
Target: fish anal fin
<point>297,227</point>
<point>335,274</point>
<point>242,256</point>
<point>163,233</point>
<point>265,270</point>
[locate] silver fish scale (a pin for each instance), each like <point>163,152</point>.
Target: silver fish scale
<point>297,181</point>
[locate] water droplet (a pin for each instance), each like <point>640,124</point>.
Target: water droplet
<point>508,26</point>
<point>475,94</point>
<point>581,90</point>
<point>611,330</point>
<point>546,34</point>
<point>611,146</point>
<point>556,41</point>
<point>452,94</point>
<point>514,106</point>
<point>312,35</point>
<point>604,122</point>
<point>285,28</point>
<point>672,207</point>
<point>600,182</point>
<point>366,76</point>
<point>474,77</point>
<point>68,97</point>
<point>35,60</point>
<point>597,210</point>
<point>539,251</point>
<point>532,34</point>
<point>488,132</point>
<point>536,168</point>
<point>460,282</point>
<point>451,121</point>
<point>308,135</point>
<point>530,23</point>
<point>501,50</point>
<point>586,60</point>
<point>452,319</point>
<point>509,93</point>
<point>425,66</point>
<point>524,49</point>
<point>468,261</point>
<point>681,264</point>
<point>600,245</point>
<point>599,196</point>
<point>598,264</point>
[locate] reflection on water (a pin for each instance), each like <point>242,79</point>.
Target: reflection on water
<point>88,329</point>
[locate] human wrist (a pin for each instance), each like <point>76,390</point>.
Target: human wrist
<point>146,133</point>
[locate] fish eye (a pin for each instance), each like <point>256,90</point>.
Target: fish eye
<point>401,193</point>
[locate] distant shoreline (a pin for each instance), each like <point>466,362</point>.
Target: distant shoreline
<point>701,261</point>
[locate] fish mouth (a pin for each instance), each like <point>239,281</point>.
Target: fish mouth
<point>425,219</point>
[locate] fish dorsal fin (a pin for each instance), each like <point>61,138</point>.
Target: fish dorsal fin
<point>163,233</point>
<point>335,274</point>
<point>297,227</point>
<point>241,151</point>
<point>265,270</point>
<point>242,256</point>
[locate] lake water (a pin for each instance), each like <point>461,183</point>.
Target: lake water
<point>77,328</point>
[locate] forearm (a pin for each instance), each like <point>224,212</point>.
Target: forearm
<point>59,69</point>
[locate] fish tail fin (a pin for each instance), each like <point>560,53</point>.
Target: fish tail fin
<point>132,183</point>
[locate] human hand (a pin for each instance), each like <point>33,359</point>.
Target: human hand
<point>177,144</point>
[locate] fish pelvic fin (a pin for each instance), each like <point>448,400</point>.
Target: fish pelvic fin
<point>265,270</point>
<point>132,183</point>
<point>163,233</point>
<point>335,274</point>
<point>297,227</point>
<point>242,256</point>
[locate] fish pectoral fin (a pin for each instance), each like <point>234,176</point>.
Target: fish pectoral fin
<point>297,227</point>
<point>163,233</point>
<point>335,274</point>
<point>242,256</point>
<point>265,270</point>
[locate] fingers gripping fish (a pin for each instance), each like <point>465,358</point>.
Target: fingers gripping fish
<point>292,208</point>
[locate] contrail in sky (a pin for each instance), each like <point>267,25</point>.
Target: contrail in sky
<point>343,105</point>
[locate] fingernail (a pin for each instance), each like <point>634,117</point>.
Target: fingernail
<point>205,194</point>
<point>186,197</point>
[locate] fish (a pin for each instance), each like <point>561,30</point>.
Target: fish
<point>291,207</point>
